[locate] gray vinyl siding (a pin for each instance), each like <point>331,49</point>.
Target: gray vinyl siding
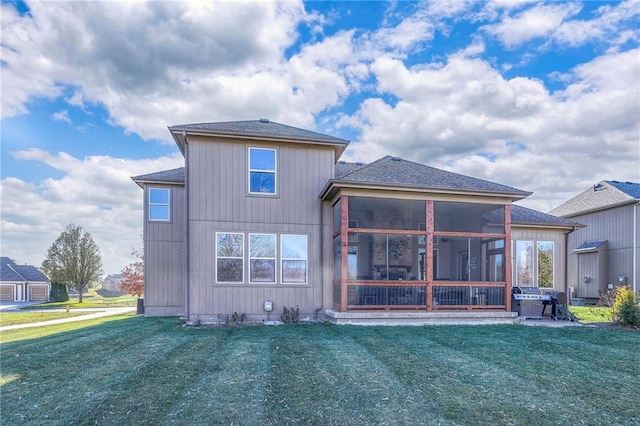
<point>559,252</point>
<point>164,250</point>
<point>614,225</point>
<point>219,201</point>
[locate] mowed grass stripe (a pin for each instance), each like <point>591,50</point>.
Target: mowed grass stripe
<point>541,361</point>
<point>328,378</point>
<point>465,389</point>
<point>230,387</point>
<point>156,386</point>
<point>86,377</point>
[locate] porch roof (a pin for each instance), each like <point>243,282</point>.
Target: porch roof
<point>262,129</point>
<point>396,173</point>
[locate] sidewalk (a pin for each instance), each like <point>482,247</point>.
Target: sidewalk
<point>97,313</point>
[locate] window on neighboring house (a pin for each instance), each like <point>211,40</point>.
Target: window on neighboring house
<point>262,171</point>
<point>294,253</point>
<point>262,258</point>
<point>230,257</point>
<point>159,204</point>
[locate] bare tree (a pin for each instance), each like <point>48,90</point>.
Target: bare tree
<point>73,259</point>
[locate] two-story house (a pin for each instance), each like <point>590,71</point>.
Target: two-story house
<point>606,252</point>
<point>265,215</point>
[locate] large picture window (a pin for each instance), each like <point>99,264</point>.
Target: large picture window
<point>262,171</point>
<point>294,254</point>
<point>159,204</point>
<point>262,258</point>
<point>229,257</point>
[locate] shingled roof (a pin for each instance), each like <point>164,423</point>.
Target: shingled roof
<point>167,176</point>
<point>524,216</point>
<point>258,129</point>
<point>395,172</point>
<point>603,195</point>
<point>12,272</point>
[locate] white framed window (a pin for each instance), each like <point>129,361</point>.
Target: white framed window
<point>545,264</point>
<point>229,257</point>
<point>294,253</point>
<point>262,258</point>
<point>159,204</point>
<point>524,264</point>
<point>262,171</point>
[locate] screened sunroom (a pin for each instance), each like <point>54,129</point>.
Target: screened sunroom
<point>408,254</point>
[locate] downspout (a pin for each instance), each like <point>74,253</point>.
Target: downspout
<point>186,226</point>
<point>635,247</point>
<point>322,266</point>
<point>566,262</point>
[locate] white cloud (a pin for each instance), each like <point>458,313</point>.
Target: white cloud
<point>537,21</point>
<point>62,115</point>
<point>465,116</point>
<point>96,193</point>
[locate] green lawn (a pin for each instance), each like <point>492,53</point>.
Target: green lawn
<point>591,314</point>
<point>136,370</point>
<point>22,317</point>
<point>91,299</point>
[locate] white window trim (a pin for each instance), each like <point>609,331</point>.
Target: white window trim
<point>282,259</point>
<point>168,219</point>
<point>275,171</point>
<point>230,257</point>
<point>275,259</point>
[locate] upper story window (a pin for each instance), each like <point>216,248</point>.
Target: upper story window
<point>159,204</point>
<point>262,171</point>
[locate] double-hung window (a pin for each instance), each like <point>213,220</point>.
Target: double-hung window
<point>294,253</point>
<point>159,204</point>
<point>262,258</point>
<point>230,257</point>
<point>262,171</point>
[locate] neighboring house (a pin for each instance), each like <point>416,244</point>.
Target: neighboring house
<point>19,283</point>
<point>606,252</point>
<point>111,283</point>
<point>264,212</point>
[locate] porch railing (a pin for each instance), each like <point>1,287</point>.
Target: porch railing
<point>413,295</point>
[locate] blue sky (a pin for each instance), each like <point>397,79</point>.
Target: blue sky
<point>542,96</point>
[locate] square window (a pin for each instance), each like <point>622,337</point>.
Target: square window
<point>159,205</point>
<point>262,171</point>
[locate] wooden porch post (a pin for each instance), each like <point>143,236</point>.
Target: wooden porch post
<point>429,254</point>
<point>507,256</point>
<point>344,246</point>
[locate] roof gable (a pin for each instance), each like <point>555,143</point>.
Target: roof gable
<point>603,195</point>
<point>12,272</point>
<point>394,171</point>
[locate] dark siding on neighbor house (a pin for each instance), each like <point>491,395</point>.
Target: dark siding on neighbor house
<point>219,201</point>
<point>164,249</point>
